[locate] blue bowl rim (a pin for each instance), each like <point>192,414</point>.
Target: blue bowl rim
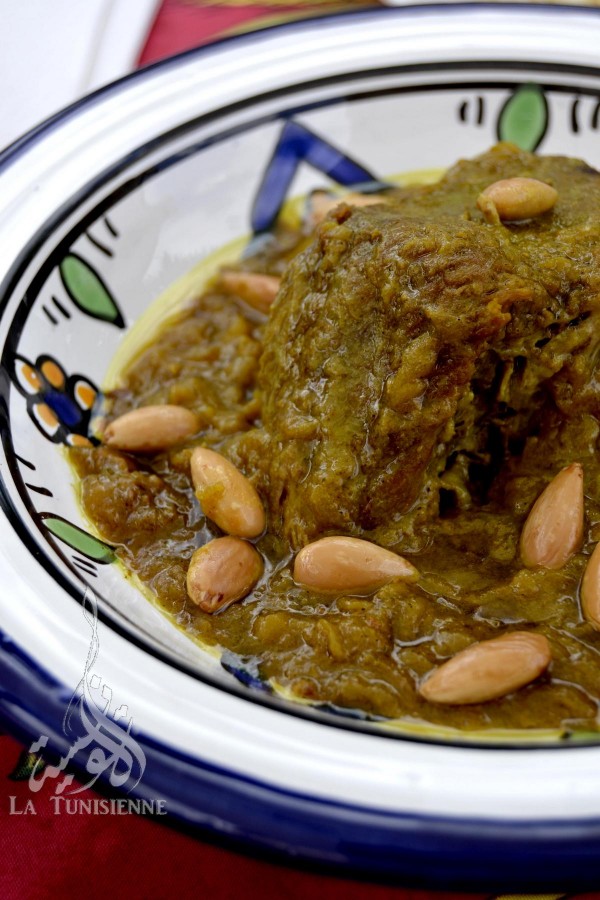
<point>11,152</point>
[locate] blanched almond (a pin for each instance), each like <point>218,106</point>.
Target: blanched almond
<point>226,495</point>
<point>151,429</point>
<point>221,572</point>
<point>590,589</point>
<point>349,564</point>
<point>488,670</point>
<point>321,203</point>
<point>257,290</point>
<point>553,531</point>
<point>517,198</point>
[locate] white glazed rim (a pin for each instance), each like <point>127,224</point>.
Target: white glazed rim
<point>205,723</point>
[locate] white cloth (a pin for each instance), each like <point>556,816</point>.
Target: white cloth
<point>54,51</point>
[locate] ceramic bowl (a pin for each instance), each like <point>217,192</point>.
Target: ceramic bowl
<point>106,207</point>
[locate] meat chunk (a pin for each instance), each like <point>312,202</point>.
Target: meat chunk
<point>371,346</point>
<point>413,335</point>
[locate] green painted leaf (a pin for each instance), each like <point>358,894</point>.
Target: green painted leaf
<point>88,292</point>
<point>523,119</point>
<point>25,765</point>
<point>78,539</point>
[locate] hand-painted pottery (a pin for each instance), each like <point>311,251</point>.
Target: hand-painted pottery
<point>104,207</point>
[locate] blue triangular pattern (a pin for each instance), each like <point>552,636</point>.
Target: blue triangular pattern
<point>297,144</point>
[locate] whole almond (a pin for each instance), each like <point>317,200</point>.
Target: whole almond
<point>151,429</point>
<point>256,289</point>
<point>221,572</point>
<point>349,564</point>
<point>488,670</point>
<point>590,589</point>
<point>518,198</point>
<point>553,531</point>
<point>226,495</point>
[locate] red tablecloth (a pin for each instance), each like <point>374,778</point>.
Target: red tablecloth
<point>182,24</point>
<point>44,854</point>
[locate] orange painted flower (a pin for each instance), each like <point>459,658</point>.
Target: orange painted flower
<point>59,405</point>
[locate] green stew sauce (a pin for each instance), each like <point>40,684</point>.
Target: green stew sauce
<point>420,379</point>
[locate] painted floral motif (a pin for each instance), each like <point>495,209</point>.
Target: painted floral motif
<point>297,144</point>
<point>60,406</point>
<point>92,548</point>
<point>88,291</point>
<point>523,119</point>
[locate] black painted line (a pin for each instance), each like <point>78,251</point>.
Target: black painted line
<point>49,315</point>
<point>83,569</point>
<point>106,250</point>
<point>480,110</point>
<point>65,312</point>
<point>39,490</point>
<point>596,116</point>
<point>25,462</point>
<point>574,116</point>
<point>85,562</point>
<point>111,227</point>
<point>462,112</point>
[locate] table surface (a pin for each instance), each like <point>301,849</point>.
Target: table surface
<point>45,854</point>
